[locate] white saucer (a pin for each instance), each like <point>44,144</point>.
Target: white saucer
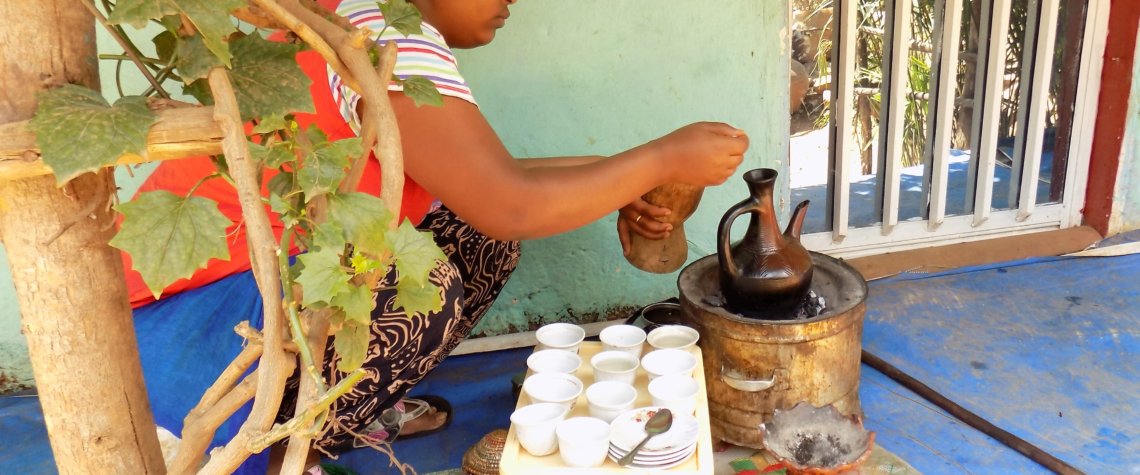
<point>628,429</point>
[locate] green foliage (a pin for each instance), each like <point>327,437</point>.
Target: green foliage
<point>402,16</point>
<point>351,344</point>
<point>415,298</point>
<point>324,168</point>
<point>78,131</point>
<point>169,237</point>
<point>210,17</point>
<point>422,91</point>
<point>365,220</point>
<point>267,80</point>
<point>416,253</point>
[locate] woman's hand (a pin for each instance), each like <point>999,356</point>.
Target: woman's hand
<point>701,154</point>
<point>641,217</point>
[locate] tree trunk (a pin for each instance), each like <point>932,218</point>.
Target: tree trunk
<point>69,283</point>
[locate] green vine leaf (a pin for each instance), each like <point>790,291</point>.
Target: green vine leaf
<point>356,303</point>
<point>365,220</point>
<point>402,16</point>
<point>272,156</point>
<point>193,59</point>
<point>362,264</point>
<point>78,131</point>
<point>351,344</point>
<point>422,91</point>
<point>210,17</point>
<point>415,298</point>
<point>329,235</point>
<point>164,45</point>
<point>169,237</point>
<point>324,168</point>
<point>137,12</point>
<point>267,80</point>
<point>416,253</point>
<point>270,123</point>
<point>322,277</point>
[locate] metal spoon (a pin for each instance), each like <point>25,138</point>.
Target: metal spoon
<point>658,424</point>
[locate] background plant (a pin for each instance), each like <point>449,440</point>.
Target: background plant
<point>349,239</point>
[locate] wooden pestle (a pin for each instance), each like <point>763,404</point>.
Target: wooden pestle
<point>663,256</point>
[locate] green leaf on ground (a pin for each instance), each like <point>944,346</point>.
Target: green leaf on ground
<point>324,168</point>
<point>78,131</point>
<point>416,253</point>
<point>137,12</point>
<point>402,16</point>
<point>351,344</point>
<point>422,91</point>
<point>267,80</point>
<point>193,59</point>
<point>415,298</point>
<point>356,303</point>
<point>212,19</point>
<point>322,278</point>
<point>169,237</point>
<point>365,220</point>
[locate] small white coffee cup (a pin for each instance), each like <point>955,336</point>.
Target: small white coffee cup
<point>627,338</point>
<point>559,388</point>
<point>615,366</point>
<point>671,361</point>
<point>583,441</point>
<point>609,399</point>
<point>535,425</point>
<point>560,336</point>
<point>676,392</point>
<point>553,361</point>
<point>677,337</point>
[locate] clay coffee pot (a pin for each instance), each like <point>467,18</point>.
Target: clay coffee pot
<point>767,274</point>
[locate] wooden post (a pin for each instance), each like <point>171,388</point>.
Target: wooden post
<point>69,283</point>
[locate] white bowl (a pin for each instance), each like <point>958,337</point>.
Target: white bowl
<point>627,338</point>
<point>677,392</point>
<point>608,399</point>
<point>560,336</point>
<point>535,425</point>
<point>583,441</point>
<point>615,366</point>
<point>673,337</point>
<point>553,361</point>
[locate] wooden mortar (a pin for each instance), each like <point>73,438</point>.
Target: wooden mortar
<point>662,256</point>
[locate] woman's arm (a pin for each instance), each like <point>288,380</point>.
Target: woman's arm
<point>453,153</point>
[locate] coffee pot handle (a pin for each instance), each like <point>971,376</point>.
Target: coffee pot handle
<point>724,237</point>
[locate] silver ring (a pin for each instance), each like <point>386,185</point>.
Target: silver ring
<point>638,220</point>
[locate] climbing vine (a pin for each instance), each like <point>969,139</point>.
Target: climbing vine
<point>346,240</point>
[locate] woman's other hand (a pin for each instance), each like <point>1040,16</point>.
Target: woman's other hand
<point>641,217</point>
<point>702,153</point>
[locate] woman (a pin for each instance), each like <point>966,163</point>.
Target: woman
<point>478,201</point>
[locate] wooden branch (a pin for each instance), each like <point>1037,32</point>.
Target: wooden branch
<point>198,429</point>
<point>274,367</point>
<point>180,132</point>
<point>254,337</point>
<point>297,450</point>
<point>130,51</point>
<point>374,90</point>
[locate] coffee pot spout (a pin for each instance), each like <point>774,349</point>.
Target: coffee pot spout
<point>797,222</point>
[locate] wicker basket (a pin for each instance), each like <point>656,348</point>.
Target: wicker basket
<point>483,457</point>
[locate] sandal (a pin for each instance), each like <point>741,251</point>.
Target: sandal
<point>388,426</point>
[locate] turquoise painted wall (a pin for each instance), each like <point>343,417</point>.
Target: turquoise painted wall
<point>589,77</point>
<point>598,77</point>
<point>1126,206</point>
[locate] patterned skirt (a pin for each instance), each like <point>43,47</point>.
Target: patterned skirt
<point>403,350</point>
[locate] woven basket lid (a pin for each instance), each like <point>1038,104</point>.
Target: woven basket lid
<point>483,457</point>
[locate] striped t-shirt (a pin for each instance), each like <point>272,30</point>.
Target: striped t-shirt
<point>424,55</point>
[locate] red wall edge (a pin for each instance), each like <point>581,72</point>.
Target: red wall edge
<point>1116,84</point>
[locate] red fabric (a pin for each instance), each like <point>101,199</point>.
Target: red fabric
<point>180,175</point>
